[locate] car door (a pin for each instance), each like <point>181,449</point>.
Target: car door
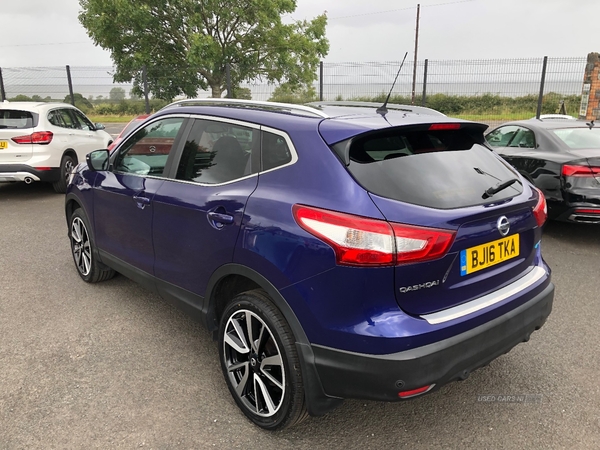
<point>198,213</point>
<point>123,196</point>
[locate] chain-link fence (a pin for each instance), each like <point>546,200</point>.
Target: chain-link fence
<point>494,88</point>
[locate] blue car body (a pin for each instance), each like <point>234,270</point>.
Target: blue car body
<point>383,332</point>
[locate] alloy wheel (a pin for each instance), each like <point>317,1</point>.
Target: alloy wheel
<point>254,363</point>
<point>69,167</point>
<point>81,246</point>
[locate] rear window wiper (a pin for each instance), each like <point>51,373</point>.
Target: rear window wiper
<point>500,187</point>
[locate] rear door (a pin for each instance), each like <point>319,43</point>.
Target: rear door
<point>199,211</point>
<point>15,123</point>
<point>438,179</point>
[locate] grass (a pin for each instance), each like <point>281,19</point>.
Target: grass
<point>500,117</point>
<point>111,118</point>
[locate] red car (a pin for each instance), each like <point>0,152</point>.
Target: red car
<point>130,126</point>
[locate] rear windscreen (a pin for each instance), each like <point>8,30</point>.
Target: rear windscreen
<point>434,168</point>
<point>10,118</point>
<point>579,138</point>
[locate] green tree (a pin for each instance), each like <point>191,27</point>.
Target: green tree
<point>186,44</point>
<point>116,94</point>
<point>80,102</point>
<point>287,93</point>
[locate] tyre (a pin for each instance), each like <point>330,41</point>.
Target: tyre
<point>67,165</point>
<point>84,251</point>
<point>260,362</point>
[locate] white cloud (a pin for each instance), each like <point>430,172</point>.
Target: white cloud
<point>478,29</point>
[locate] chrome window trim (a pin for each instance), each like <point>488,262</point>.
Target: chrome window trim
<point>487,300</point>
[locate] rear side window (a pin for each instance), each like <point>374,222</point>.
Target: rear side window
<point>441,169</point>
<point>275,151</point>
<point>217,152</point>
<point>15,119</point>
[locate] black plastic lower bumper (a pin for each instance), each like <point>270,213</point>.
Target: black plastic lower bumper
<point>382,377</point>
<point>51,175</point>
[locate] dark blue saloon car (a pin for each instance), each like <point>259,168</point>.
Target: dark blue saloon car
<point>337,251</point>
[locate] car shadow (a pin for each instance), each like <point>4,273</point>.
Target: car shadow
<point>19,190</point>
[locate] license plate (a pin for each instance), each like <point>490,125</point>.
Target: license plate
<point>490,254</point>
<point>3,145</point>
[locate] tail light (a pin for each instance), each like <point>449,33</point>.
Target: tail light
<point>39,137</point>
<point>569,170</point>
<point>540,211</point>
<point>360,241</point>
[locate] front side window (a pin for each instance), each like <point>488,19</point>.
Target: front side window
<point>217,152</point>
<point>502,136</point>
<point>523,138</point>
<point>147,151</point>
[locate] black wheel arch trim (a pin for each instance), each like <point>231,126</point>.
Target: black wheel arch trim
<point>209,305</point>
<point>318,402</point>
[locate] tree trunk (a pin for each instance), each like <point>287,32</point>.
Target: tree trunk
<point>216,90</point>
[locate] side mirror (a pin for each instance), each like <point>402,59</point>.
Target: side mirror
<point>99,126</point>
<point>98,160</point>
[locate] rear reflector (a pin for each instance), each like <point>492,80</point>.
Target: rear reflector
<point>413,392</point>
<point>360,241</point>
<point>586,211</point>
<point>569,170</point>
<point>444,126</point>
<point>540,211</point>
<point>39,137</point>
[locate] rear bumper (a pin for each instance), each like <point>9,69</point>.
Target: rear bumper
<point>581,214</point>
<point>23,172</point>
<point>380,377</point>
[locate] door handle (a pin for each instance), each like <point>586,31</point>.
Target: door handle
<point>221,218</point>
<point>141,201</point>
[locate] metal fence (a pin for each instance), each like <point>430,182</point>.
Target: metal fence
<point>494,87</point>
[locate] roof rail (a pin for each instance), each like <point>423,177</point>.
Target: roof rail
<point>272,106</point>
<point>394,106</point>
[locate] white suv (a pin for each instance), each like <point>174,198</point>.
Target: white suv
<point>45,141</point>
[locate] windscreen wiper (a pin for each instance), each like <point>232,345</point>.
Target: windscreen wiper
<point>500,187</point>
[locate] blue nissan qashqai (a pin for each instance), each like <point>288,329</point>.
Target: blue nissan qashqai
<point>336,250</point>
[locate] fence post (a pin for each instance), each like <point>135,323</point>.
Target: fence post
<point>541,97</point>
<point>70,81</point>
<point>228,80</point>
<point>2,92</point>
<point>424,98</point>
<point>145,83</point>
<point>321,81</point>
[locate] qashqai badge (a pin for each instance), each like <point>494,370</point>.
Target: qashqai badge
<point>503,225</point>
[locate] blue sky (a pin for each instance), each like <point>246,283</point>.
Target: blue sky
<point>48,33</point>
